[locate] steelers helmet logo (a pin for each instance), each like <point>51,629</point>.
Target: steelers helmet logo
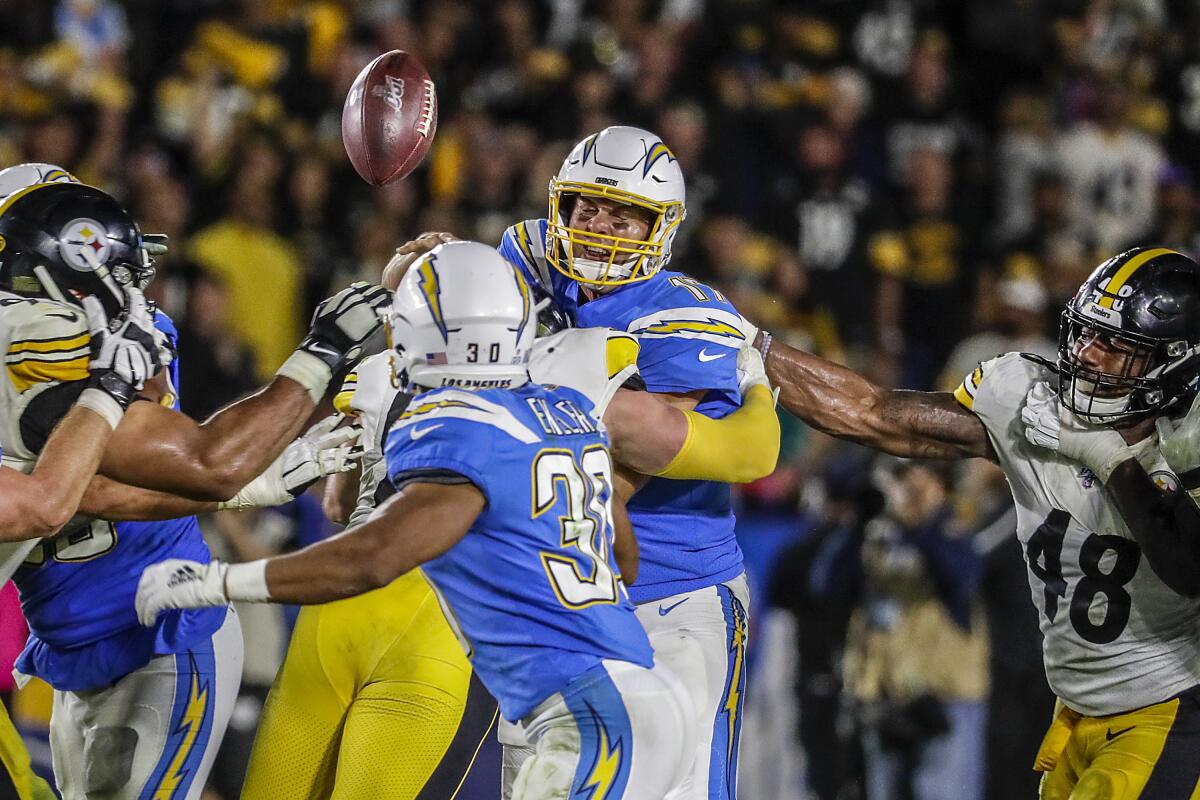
<point>83,244</point>
<point>1165,481</point>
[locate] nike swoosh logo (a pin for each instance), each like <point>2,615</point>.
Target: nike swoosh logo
<point>1109,735</point>
<point>67,315</point>
<point>417,434</point>
<point>704,355</point>
<point>662,612</point>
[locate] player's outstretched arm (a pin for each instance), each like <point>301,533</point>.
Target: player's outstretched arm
<point>158,449</point>
<point>121,361</point>
<point>840,402</point>
<point>419,523</point>
<point>324,450</point>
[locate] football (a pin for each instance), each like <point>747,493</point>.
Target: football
<point>389,118</point>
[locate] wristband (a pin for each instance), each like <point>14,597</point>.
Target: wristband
<point>309,371</point>
<point>102,403</point>
<point>247,582</point>
<point>766,345</point>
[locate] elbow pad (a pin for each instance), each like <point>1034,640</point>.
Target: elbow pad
<point>739,448</point>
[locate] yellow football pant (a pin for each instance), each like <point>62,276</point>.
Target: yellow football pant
<point>375,699</point>
<point>1151,753</point>
<point>18,775</point>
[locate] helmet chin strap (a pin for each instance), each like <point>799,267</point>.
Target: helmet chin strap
<point>48,284</point>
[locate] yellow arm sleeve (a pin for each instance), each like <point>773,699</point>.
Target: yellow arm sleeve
<point>740,448</point>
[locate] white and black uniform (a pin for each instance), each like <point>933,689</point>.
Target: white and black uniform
<point>1116,637</point>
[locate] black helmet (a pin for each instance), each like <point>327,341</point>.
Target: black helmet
<point>1144,303</point>
<point>56,238</point>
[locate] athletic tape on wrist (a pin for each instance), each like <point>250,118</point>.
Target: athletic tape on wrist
<point>103,404</point>
<point>247,582</point>
<point>309,371</point>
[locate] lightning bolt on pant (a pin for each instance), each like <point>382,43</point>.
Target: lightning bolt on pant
<point>153,734</point>
<point>618,732</point>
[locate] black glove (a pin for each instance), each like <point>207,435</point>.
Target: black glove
<point>343,324</point>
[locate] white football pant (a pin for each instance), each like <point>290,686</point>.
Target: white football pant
<point>619,731</point>
<point>155,732</point>
<point>701,636</point>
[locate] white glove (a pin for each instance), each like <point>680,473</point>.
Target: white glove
<point>751,370</point>
<point>319,452</point>
<point>1049,425</point>
<point>126,351</point>
<point>1179,443</point>
<point>176,583</point>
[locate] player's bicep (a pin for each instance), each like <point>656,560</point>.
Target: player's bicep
<point>645,430</point>
<point>157,448</point>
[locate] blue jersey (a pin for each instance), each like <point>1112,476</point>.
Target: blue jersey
<point>689,336</point>
<point>532,588</point>
<point>77,591</point>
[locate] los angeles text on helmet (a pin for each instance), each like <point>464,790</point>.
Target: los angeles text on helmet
<point>478,383</point>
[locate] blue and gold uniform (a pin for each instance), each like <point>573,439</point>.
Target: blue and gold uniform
<point>376,698</point>
<point>534,594</point>
<point>691,590</point>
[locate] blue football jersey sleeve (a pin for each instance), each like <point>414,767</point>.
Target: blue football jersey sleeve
<point>440,444</point>
<point>689,333</point>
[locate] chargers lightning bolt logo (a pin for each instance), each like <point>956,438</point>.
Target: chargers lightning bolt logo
<point>607,765</point>
<point>711,326</point>
<point>733,702</point>
<point>189,726</point>
<point>431,287</point>
<point>656,151</point>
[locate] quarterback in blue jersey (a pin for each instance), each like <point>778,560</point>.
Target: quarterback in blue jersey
<point>136,712</point>
<point>505,498</point>
<point>615,206</point>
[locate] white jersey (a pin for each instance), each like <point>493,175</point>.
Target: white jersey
<point>594,361</point>
<point>1115,637</point>
<point>45,343</point>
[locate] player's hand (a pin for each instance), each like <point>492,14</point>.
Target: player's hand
<point>342,324</point>
<point>1050,426</point>
<point>751,370</point>
<point>127,351</point>
<point>1179,443</point>
<point>176,583</point>
<point>409,252</point>
<point>324,450</point>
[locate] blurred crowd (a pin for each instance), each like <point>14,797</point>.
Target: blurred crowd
<point>907,186</point>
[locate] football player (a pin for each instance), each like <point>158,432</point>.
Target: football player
<point>614,209</point>
<point>504,492</point>
<point>40,503</point>
<point>136,711</point>
<point>1112,543</point>
<point>380,677</point>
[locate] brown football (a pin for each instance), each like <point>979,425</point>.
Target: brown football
<point>389,118</point>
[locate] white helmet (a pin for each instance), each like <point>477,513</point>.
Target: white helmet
<point>630,166</point>
<point>463,316</point>
<point>17,177</point>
